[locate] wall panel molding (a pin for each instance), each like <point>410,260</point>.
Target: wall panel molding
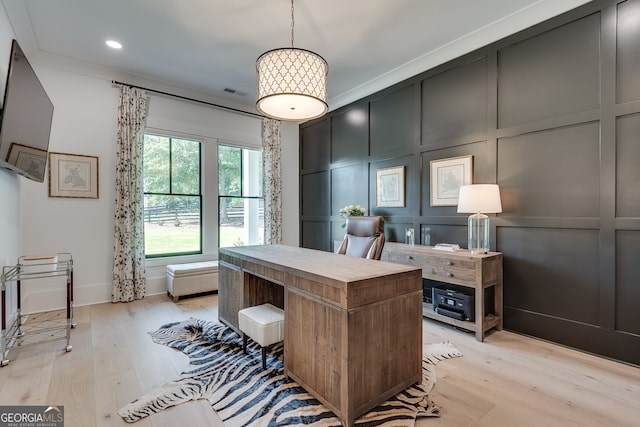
<point>552,115</point>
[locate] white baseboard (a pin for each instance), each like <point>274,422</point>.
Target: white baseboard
<point>156,285</point>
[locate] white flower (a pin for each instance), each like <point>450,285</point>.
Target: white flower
<point>352,210</point>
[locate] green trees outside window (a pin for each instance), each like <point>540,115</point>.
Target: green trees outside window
<point>240,199</point>
<point>172,196</point>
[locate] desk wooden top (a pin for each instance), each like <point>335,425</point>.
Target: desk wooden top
<point>325,265</point>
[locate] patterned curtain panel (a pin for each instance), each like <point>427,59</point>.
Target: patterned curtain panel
<point>129,279</point>
<point>272,181</point>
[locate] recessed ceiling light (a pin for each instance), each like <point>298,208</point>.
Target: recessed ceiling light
<point>114,44</point>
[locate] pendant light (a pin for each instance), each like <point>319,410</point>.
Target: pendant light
<point>291,83</point>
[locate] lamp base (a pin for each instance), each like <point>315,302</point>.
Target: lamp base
<point>477,251</point>
<point>478,229</point>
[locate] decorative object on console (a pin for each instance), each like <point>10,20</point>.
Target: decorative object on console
<point>449,247</point>
<point>292,83</point>
<point>409,236</point>
<point>72,175</point>
<point>390,187</point>
<point>447,175</point>
<point>479,199</point>
<point>351,210</point>
<point>425,235</point>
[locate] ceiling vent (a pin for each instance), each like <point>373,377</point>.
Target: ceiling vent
<point>234,92</point>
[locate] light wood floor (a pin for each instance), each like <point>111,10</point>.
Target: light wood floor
<point>509,380</point>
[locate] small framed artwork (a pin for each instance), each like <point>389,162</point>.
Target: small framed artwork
<point>73,175</point>
<point>390,187</point>
<point>447,175</point>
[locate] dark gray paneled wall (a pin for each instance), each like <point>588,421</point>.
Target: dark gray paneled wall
<point>551,114</point>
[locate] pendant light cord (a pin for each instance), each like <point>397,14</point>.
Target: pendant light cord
<point>292,23</point>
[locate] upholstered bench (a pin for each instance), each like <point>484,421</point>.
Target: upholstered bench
<point>191,279</point>
<point>264,324</point>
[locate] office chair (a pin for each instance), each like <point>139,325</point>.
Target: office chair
<point>364,238</point>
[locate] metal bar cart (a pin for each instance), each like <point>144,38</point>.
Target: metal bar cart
<point>30,329</point>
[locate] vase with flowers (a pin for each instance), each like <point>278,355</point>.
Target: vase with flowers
<point>351,210</point>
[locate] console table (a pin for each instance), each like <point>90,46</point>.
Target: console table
<point>478,272</point>
<point>353,327</point>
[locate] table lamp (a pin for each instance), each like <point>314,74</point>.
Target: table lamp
<point>479,199</point>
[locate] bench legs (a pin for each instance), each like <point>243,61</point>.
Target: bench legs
<point>263,350</point>
<point>264,358</point>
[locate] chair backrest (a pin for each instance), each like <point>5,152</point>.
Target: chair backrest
<point>364,238</point>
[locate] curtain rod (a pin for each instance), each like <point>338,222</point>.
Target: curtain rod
<point>115,82</point>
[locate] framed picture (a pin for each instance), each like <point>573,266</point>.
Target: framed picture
<point>73,175</point>
<point>29,159</point>
<point>447,175</point>
<point>390,187</point>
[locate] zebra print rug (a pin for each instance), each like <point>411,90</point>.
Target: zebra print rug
<point>243,394</point>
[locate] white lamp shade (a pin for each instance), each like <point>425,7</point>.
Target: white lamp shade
<point>479,198</point>
<point>291,84</point>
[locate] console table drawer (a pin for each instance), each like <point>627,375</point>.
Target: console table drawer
<point>442,267</point>
<point>463,276</point>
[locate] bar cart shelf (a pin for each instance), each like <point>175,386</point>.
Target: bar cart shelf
<point>31,329</point>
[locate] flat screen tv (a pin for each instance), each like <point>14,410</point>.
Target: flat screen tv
<point>25,119</point>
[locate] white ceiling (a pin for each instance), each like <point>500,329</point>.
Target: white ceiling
<point>207,46</point>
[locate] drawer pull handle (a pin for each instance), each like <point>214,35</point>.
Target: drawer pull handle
<point>449,262</point>
<point>449,274</point>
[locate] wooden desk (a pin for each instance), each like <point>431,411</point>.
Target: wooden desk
<point>353,327</point>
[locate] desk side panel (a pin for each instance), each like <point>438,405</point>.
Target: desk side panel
<point>385,350</point>
<point>230,294</point>
<point>313,345</point>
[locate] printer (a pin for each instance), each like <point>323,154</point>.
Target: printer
<point>451,302</point>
